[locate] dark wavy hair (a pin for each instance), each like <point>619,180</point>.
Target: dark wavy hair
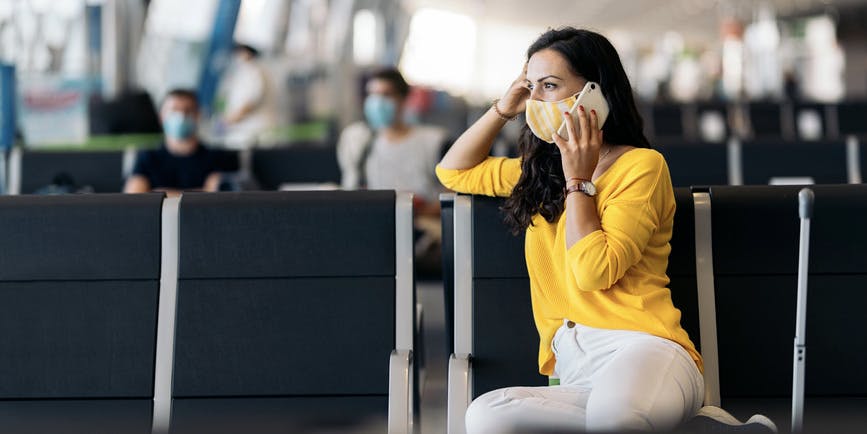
<point>540,187</point>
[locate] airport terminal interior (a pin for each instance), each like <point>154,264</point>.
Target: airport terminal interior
<point>364,216</point>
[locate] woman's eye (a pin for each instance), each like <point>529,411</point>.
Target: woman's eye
<point>549,86</point>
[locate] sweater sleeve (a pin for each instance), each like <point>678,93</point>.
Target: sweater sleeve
<point>495,176</point>
<point>601,258</point>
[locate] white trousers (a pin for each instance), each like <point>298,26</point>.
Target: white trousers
<point>610,380</point>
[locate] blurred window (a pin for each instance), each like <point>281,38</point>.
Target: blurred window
<point>440,50</point>
<point>364,37</point>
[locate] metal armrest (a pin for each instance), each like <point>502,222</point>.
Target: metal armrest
<point>458,393</point>
<point>400,393</point>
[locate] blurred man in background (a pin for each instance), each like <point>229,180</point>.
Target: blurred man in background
<point>182,162</point>
<point>386,152</point>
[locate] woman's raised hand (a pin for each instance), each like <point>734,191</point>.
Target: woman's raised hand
<point>515,99</point>
<point>580,152</point>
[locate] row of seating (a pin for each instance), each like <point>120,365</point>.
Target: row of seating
<point>28,171</point>
<point>763,162</point>
<point>733,268</point>
<point>715,121</point>
<point>691,163</point>
<point>259,312</point>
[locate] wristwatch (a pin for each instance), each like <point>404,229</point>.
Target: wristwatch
<point>584,186</point>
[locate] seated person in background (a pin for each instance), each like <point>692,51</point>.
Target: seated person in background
<point>182,162</point>
<point>388,153</point>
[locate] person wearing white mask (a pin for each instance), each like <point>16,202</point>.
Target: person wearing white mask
<point>183,162</point>
<point>386,152</point>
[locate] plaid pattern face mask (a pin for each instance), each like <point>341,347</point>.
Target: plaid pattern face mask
<point>544,118</point>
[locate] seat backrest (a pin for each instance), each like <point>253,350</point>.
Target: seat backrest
<point>301,163</point>
<point>824,162</point>
<point>852,118</point>
<point>695,163</point>
<point>667,121</point>
<point>79,285</point>
<point>100,170</point>
<point>755,253</point>
<point>505,340</point>
<point>285,294</point>
<point>766,119</point>
<point>681,264</point>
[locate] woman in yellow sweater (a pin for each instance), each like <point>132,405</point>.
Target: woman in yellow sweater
<point>597,207</point>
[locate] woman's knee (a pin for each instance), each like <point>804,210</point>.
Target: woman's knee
<point>484,413</point>
<point>493,412</point>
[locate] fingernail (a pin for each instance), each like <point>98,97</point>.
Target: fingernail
<point>581,107</point>
<point>593,111</point>
<point>565,113</point>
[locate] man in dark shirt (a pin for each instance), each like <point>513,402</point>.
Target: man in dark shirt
<point>183,162</point>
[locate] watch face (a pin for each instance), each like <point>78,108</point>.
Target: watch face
<point>588,187</point>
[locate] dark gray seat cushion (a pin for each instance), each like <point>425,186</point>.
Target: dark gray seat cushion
<point>505,340</point>
<point>279,290</point>
<point>302,163</point>
<point>78,237</point>
<point>695,163</point>
<point>756,231</point>
<point>308,414</point>
<point>86,416</point>
<point>101,170</point>
<point>825,162</point>
<point>287,234</point>
<point>272,337</point>
<point>78,295</point>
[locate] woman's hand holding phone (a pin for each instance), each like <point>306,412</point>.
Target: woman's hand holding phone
<point>580,152</point>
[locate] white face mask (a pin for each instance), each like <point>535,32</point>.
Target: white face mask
<point>544,118</point>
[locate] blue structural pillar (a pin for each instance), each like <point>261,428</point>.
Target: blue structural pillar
<point>219,51</point>
<point>7,106</point>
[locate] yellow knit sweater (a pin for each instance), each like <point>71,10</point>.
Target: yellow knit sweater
<point>612,278</point>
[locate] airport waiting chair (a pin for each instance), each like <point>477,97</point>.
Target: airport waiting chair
<point>303,163</point>
<point>774,161</point>
<point>769,120</point>
<point>681,265</point>
<point>667,121</point>
<point>32,171</point>
<point>851,119</point>
<point>130,112</point>
<point>294,311</point>
<point>696,163</point>
<point>751,276</point>
<point>495,340</point>
<point>79,286</point>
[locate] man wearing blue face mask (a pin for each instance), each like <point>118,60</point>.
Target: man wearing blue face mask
<point>387,153</point>
<point>182,162</point>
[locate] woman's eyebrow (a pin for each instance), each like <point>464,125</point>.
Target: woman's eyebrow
<point>546,77</point>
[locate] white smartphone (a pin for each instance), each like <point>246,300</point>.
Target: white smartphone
<point>592,99</point>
